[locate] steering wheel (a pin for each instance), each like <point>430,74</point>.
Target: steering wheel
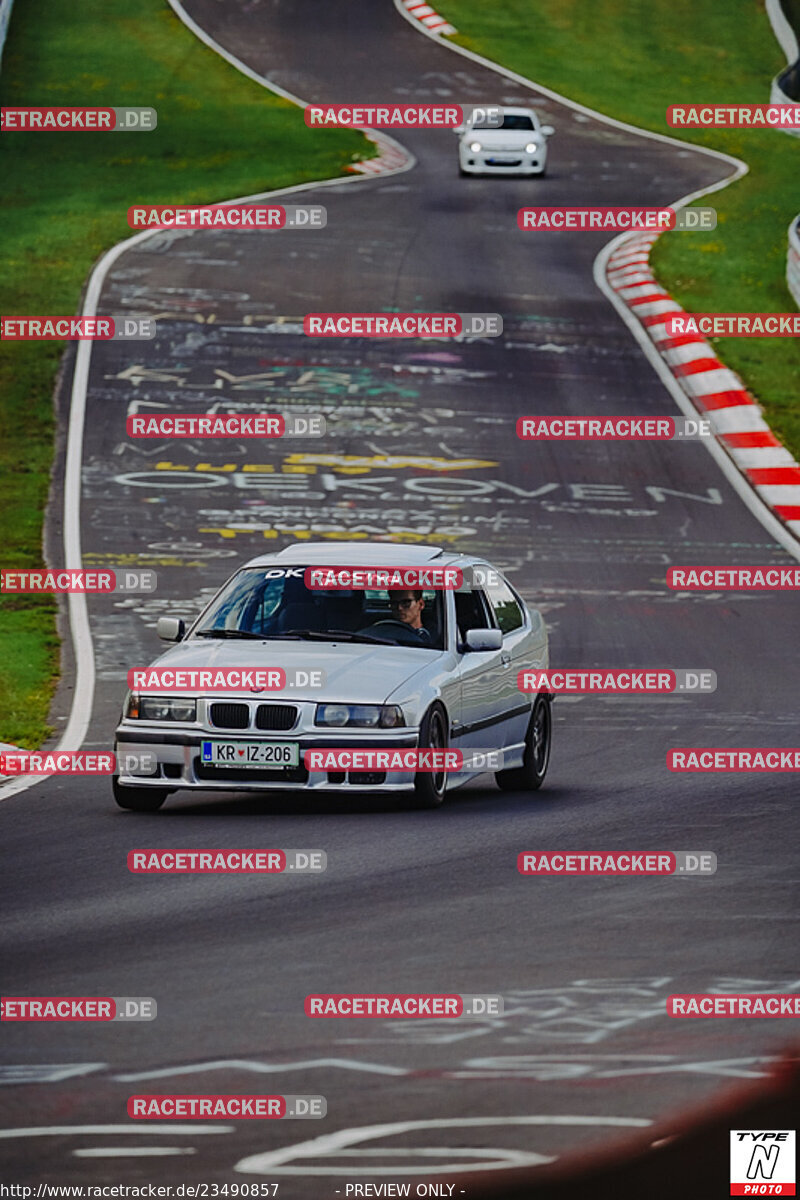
<point>410,634</point>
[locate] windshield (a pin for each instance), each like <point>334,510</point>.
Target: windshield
<point>274,602</point>
<point>515,121</point>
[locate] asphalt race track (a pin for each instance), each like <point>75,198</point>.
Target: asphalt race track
<point>421,446</point>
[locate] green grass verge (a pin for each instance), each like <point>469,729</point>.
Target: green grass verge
<point>65,199</point>
<point>632,58</point>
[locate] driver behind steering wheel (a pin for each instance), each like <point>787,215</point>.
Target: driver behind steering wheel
<point>407,607</point>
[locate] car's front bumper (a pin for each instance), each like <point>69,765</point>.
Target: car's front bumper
<point>488,162</point>
<point>179,765</point>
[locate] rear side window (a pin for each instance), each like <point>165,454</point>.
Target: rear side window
<point>507,611</point>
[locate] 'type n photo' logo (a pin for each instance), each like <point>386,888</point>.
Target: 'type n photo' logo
<point>762,1162</point>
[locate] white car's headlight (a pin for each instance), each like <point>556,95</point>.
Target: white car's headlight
<point>474,147</point>
<point>360,716</point>
<point>531,148</point>
<point>183,710</point>
<point>160,708</point>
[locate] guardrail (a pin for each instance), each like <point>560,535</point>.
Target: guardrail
<point>786,89</point>
<point>783,29</point>
<point>5,17</point>
<point>793,260</point>
<point>779,93</point>
<point>786,85</point>
<point>789,82</point>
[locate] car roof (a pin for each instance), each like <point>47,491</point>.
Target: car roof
<point>358,554</point>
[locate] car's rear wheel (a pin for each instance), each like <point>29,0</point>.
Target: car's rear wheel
<point>430,786</point>
<point>530,776</point>
<point>138,798</point>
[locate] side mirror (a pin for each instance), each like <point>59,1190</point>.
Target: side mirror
<point>483,639</point>
<point>548,130</point>
<point>171,629</point>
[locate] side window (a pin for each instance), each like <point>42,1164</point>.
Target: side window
<point>507,611</point>
<point>471,612</point>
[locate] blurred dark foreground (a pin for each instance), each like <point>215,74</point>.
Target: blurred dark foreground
<point>686,1154</point>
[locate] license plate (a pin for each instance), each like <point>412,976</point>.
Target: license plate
<point>503,162</point>
<point>251,754</point>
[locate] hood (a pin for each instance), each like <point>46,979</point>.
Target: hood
<point>355,673</point>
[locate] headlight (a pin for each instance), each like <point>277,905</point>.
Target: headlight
<point>474,147</point>
<point>160,708</point>
<point>360,716</point>
<point>332,714</point>
<point>531,148</point>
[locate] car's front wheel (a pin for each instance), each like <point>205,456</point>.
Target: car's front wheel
<point>430,786</point>
<point>530,776</point>
<point>138,798</point>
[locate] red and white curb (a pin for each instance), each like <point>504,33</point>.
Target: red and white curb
<point>391,156</point>
<point>428,17</point>
<point>717,392</point>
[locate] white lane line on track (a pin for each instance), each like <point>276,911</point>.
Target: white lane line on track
<point>83,650</point>
<point>334,1143</point>
<point>16,1073</point>
<point>236,1064</point>
<point>639,248</point>
<point>132,1151</point>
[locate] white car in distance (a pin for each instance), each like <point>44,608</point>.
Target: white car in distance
<point>517,147</point>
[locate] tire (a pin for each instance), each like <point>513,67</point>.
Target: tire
<point>530,776</point>
<point>430,788</point>
<point>138,799</point>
